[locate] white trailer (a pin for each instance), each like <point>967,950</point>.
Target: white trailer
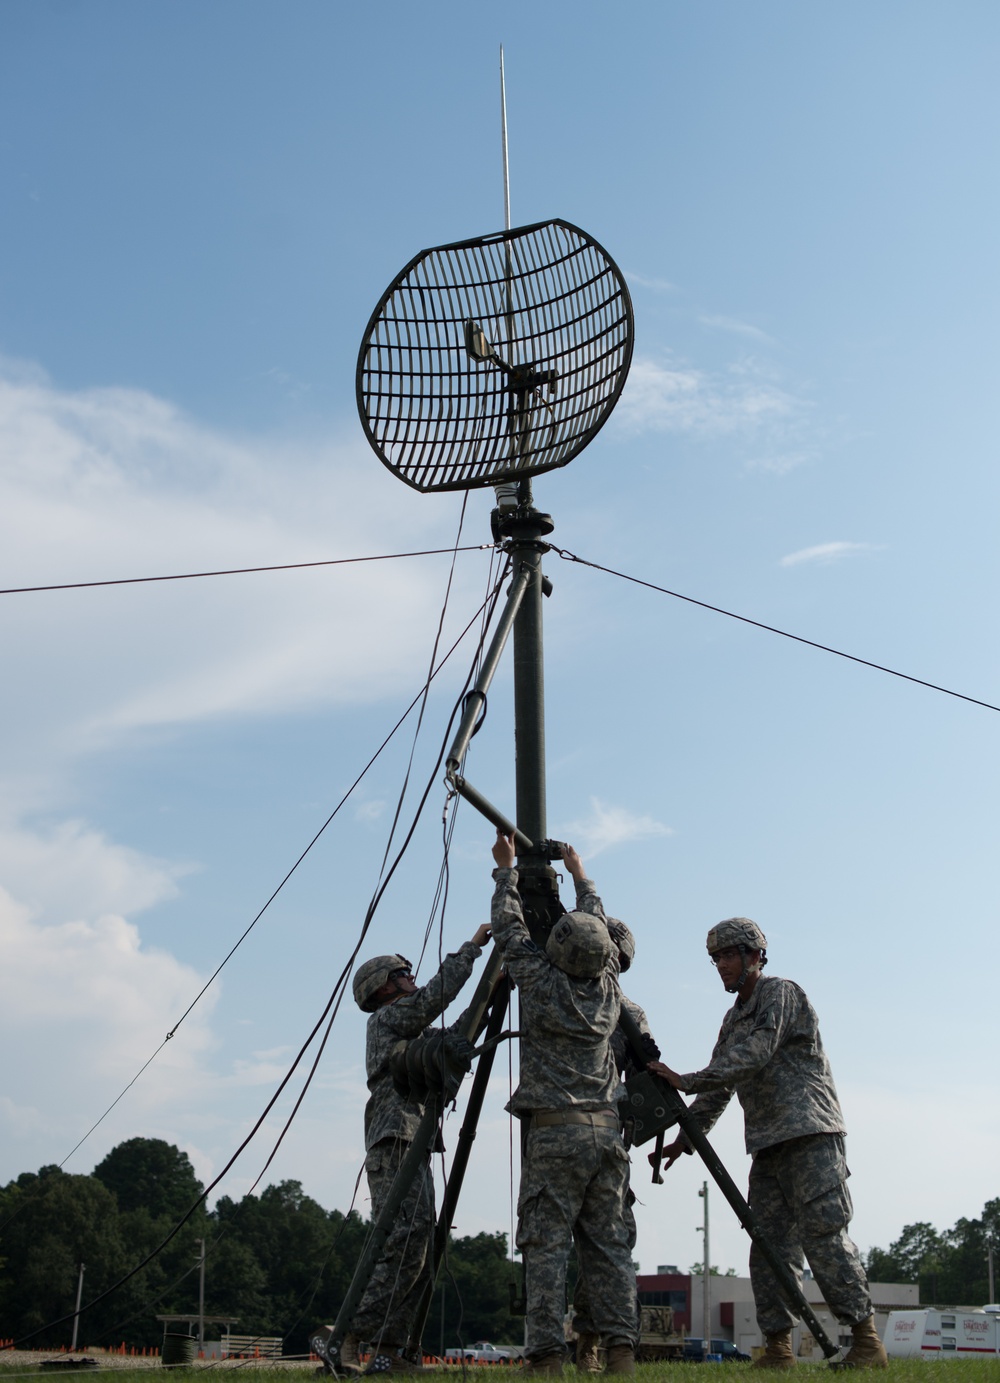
<point>942,1333</point>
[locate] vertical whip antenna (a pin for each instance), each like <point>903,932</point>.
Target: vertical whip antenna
<point>509,496</point>
<point>503,145</point>
<point>509,267</point>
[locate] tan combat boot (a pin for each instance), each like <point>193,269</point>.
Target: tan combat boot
<point>621,1359</point>
<point>778,1354</point>
<point>350,1360</point>
<point>587,1358</point>
<point>867,1351</point>
<point>545,1363</point>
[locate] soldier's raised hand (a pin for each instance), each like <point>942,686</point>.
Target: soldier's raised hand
<point>573,863</point>
<point>503,850</point>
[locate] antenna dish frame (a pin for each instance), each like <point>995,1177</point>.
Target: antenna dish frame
<point>554,313</point>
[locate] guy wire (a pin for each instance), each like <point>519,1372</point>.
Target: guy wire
<point>481,609</point>
<point>771,629</point>
<point>427,684</point>
<point>335,998</point>
<point>241,571</point>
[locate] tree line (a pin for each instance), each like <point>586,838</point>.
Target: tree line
<point>951,1266</point>
<point>278,1262</point>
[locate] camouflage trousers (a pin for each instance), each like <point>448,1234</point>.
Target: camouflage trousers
<point>573,1183</point>
<point>388,1308</point>
<point>583,1322</point>
<point>799,1196</point>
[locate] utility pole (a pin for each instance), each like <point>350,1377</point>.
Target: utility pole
<point>201,1295</point>
<point>989,1260</point>
<point>79,1297</point>
<point>706,1304</point>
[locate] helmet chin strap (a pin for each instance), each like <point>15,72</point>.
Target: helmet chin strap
<point>737,985</point>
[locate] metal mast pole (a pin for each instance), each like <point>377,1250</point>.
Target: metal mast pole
<point>526,528</point>
<point>706,1304</point>
<point>201,1295</point>
<point>79,1295</point>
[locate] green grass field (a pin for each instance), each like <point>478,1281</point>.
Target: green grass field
<point>899,1371</point>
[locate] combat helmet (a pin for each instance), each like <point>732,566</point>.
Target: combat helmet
<point>624,940</point>
<point>744,934</point>
<point>372,975</point>
<point>579,945</point>
<point>736,931</point>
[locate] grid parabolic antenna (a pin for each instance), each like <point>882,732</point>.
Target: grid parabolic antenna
<point>496,358</point>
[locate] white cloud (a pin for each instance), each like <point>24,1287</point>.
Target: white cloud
<point>673,398</point>
<point>106,483</point>
<point>737,328</point>
<point>824,553</point>
<point>69,869</point>
<point>779,463</point>
<point>607,826</point>
<point>85,1004</point>
<point>99,484</point>
<point>654,284</point>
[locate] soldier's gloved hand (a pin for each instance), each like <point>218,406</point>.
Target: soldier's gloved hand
<point>649,1048</point>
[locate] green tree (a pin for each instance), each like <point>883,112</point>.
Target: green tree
<point>297,1264</point>
<point>53,1222</point>
<point>951,1268</point>
<point>474,1286</point>
<point>151,1175</point>
<point>155,1187</point>
<point>915,1252</point>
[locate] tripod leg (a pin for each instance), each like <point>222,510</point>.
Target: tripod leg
<point>416,1156</point>
<point>729,1189</point>
<point>466,1138</point>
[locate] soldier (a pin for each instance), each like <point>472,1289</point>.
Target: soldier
<point>588,1340</point>
<point>385,988</point>
<point>770,1054</point>
<point>574,1172</point>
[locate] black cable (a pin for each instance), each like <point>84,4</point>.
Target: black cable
<point>771,629</point>
<point>481,609</point>
<point>427,684</point>
<point>243,571</point>
<point>333,1003</point>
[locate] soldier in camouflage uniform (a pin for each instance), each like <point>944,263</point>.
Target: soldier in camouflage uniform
<point>574,1172</point>
<point>588,1338</point>
<point>385,988</point>
<point>769,1053</point>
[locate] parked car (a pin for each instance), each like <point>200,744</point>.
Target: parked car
<point>724,1350</point>
<point>481,1352</point>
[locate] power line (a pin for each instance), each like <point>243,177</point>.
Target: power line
<point>420,694</point>
<point>772,629</point>
<point>243,571</point>
<point>334,1001</point>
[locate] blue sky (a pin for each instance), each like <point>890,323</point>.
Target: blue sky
<point>201,206</point>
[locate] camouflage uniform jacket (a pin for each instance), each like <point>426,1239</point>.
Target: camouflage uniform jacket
<point>566,1023</point>
<point>621,1052</point>
<point>770,1053</point>
<point>388,1114</point>
<point>624,1060</point>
